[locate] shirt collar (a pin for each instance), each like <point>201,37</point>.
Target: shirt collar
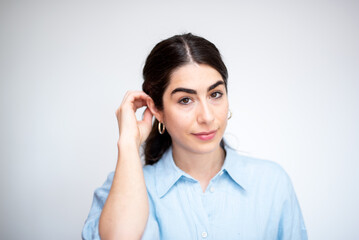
<point>167,173</point>
<point>235,166</point>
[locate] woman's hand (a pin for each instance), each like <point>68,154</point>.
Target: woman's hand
<point>130,128</point>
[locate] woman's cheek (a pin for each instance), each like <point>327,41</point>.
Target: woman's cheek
<point>182,119</point>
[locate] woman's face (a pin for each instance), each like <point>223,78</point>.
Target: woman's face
<point>195,108</point>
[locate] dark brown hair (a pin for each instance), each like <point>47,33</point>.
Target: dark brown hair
<point>165,57</point>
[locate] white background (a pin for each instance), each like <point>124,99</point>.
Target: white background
<point>65,66</point>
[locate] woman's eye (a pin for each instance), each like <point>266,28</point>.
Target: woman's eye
<point>185,101</point>
<point>216,95</point>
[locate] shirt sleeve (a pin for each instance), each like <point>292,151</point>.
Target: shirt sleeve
<point>291,225</point>
<point>152,230</point>
<point>90,230</point>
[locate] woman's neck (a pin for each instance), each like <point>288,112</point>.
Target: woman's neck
<point>201,166</point>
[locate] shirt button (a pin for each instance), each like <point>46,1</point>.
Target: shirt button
<point>211,189</point>
<point>204,234</point>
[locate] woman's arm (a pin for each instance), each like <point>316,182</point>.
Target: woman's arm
<point>125,213</point>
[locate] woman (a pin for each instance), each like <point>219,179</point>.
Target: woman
<point>192,186</point>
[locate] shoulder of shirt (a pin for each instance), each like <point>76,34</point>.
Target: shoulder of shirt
<point>254,163</point>
<point>237,157</point>
<point>247,170</point>
<point>149,174</point>
<point>149,169</point>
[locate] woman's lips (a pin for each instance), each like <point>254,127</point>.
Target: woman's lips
<point>205,136</point>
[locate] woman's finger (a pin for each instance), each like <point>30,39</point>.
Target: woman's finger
<point>135,99</point>
<point>138,103</point>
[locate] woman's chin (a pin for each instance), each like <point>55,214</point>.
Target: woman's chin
<point>200,147</point>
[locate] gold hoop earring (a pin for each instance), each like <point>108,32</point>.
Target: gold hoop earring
<point>230,114</point>
<point>161,128</point>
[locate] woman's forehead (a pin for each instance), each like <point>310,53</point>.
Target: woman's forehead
<point>194,76</point>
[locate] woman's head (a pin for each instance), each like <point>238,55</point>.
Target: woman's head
<point>173,53</point>
<point>175,57</point>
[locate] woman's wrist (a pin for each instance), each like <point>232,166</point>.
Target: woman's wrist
<point>127,144</point>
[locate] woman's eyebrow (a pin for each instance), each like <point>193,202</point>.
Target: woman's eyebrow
<point>213,86</point>
<point>192,91</point>
<point>186,90</point>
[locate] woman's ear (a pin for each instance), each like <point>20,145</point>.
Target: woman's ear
<point>155,112</point>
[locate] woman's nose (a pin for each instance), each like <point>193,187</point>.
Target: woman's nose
<point>205,113</point>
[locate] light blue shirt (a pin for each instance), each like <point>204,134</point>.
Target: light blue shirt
<point>248,199</point>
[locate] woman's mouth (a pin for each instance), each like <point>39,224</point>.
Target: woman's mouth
<point>205,136</point>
